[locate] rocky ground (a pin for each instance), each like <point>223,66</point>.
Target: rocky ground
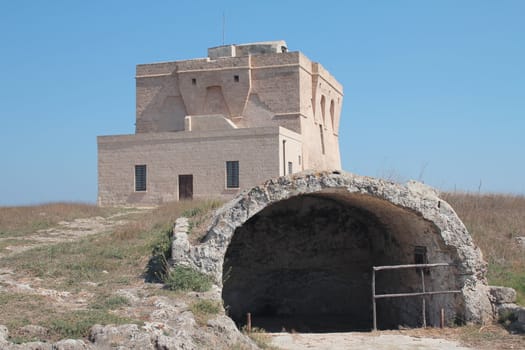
<point>168,320</point>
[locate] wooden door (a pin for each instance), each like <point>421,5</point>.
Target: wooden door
<point>185,187</point>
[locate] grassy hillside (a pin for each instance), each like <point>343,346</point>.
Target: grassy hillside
<point>69,286</point>
<point>494,221</point>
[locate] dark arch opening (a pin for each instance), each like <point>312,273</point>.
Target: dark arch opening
<point>305,264</point>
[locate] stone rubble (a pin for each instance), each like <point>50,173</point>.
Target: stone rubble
<point>172,326</point>
<point>505,309</point>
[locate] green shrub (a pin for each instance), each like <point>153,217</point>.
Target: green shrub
<point>206,307</point>
<point>182,278</point>
<point>78,323</point>
<point>192,212</point>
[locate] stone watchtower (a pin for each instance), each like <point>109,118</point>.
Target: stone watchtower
<point>211,126</point>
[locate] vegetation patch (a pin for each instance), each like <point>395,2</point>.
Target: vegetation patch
<point>78,323</point>
<point>199,216</point>
<point>112,302</point>
<point>183,278</point>
<point>18,310</point>
<point>204,309</point>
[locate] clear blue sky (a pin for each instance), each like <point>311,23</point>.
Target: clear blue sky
<point>434,90</point>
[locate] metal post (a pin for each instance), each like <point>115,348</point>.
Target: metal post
<point>423,298</point>
<point>442,318</point>
<point>374,298</point>
<point>249,322</point>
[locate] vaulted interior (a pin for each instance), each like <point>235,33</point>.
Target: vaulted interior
<point>305,264</point>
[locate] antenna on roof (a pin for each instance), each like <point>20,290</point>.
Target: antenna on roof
<point>223,25</point>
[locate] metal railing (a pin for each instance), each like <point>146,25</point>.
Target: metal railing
<point>423,292</point>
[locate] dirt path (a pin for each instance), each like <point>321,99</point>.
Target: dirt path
<point>65,231</point>
<point>360,341</point>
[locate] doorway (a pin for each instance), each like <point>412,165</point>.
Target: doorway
<point>185,187</point>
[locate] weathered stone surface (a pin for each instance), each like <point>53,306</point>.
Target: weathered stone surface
<point>520,241</point>
<point>514,314</point>
<point>470,269</point>
<point>127,336</point>
<point>180,245</point>
<point>503,295</point>
<point>227,332</point>
<point>173,343</point>
<point>72,344</point>
<point>4,334</point>
<point>521,314</point>
<point>29,346</point>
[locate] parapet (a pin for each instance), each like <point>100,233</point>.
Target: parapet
<point>259,48</point>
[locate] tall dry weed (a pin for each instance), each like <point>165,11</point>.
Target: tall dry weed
<point>162,216</point>
<point>494,221</point>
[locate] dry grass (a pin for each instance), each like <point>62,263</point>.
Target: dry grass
<point>16,221</point>
<point>165,215</point>
<point>494,221</point>
<point>93,267</point>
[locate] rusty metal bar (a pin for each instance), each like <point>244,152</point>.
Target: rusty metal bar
<point>415,294</point>
<point>394,267</point>
<point>399,295</point>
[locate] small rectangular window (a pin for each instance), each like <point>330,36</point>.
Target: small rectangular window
<point>232,174</point>
<point>140,178</point>
<point>290,168</point>
<point>194,81</point>
<point>236,78</point>
<point>420,257</point>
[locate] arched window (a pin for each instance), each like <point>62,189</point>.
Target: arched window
<point>332,113</point>
<point>323,105</point>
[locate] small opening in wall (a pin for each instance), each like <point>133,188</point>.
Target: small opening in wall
<point>194,81</point>
<point>283,49</point>
<point>236,78</point>
<point>420,257</point>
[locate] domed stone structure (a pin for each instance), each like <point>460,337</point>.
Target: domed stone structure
<point>298,252</point>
